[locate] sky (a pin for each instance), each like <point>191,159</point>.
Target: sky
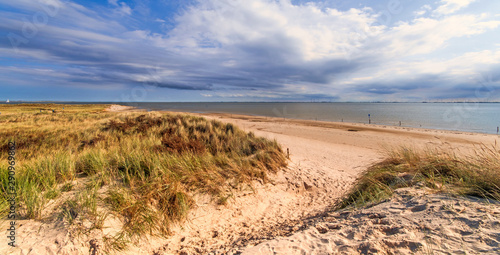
<point>250,50</point>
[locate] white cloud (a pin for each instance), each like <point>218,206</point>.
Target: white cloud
<point>124,9</point>
<point>420,13</point>
<point>426,35</point>
<point>451,6</point>
<point>296,35</point>
<point>423,10</point>
<point>306,31</point>
<point>460,67</point>
<point>121,7</point>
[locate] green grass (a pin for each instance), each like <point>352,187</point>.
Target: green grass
<point>143,168</point>
<point>475,175</point>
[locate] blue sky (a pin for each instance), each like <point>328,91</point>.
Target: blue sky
<point>250,50</point>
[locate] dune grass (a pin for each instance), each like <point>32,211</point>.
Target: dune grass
<point>141,167</point>
<point>474,175</point>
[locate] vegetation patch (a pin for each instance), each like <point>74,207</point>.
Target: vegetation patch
<point>141,168</point>
<point>474,175</point>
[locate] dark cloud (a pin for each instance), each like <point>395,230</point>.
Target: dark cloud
<point>184,86</point>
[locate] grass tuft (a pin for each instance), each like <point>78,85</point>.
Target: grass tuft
<point>474,175</point>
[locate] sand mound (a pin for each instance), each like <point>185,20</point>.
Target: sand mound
<point>119,108</point>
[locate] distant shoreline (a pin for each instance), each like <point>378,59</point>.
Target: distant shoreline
<point>461,118</point>
<point>284,110</point>
<point>347,126</point>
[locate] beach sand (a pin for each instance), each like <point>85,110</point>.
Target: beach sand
<point>292,213</point>
<point>329,156</point>
<point>413,221</point>
<point>120,108</point>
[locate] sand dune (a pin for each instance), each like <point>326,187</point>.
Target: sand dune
<point>291,214</point>
<point>329,156</point>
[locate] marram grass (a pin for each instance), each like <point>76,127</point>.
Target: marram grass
<point>474,175</point>
<point>141,167</point>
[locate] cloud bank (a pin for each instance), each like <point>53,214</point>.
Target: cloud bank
<point>254,50</point>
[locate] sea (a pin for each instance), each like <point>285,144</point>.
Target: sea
<point>466,117</point>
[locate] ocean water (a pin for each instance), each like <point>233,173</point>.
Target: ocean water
<point>469,117</point>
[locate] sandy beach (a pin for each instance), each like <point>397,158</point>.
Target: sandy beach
<point>325,159</point>
<point>292,214</point>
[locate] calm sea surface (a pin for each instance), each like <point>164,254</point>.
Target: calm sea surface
<point>471,117</point>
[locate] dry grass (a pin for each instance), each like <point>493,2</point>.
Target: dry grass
<point>141,167</point>
<point>475,175</point>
